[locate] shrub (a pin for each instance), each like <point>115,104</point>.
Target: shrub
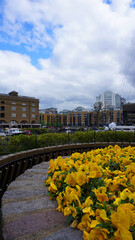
<point>24,142</point>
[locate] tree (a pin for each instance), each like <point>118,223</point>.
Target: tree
<point>97,107</point>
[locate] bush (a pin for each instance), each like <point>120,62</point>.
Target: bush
<point>24,142</point>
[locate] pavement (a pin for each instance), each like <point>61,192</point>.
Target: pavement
<point>29,214</point>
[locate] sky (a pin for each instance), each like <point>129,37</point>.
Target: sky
<point>67,52</point>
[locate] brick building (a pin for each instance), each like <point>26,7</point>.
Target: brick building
<point>15,109</point>
<point>129,114</point>
<point>82,119</point>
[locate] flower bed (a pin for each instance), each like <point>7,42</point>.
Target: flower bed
<point>96,190</point>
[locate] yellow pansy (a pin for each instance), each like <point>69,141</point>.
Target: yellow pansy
<point>84,222</point>
<point>52,187</point>
<point>125,194</point>
<point>67,211</point>
<point>117,201</point>
<point>102,197</point>
<point>74,224</point>
<point>94,223</point>
<point>96,234</point>
<point>123,234</point>
<point>70,179</point>
<point>103,215</point>
<point>133,180</point>
<point>87,203</point>
<point>89,211</point>
<point>81,178</point>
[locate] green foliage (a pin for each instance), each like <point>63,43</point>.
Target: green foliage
<point>39,130</point>
<point>3,144</point>
<point>38,140</point>
<point>22,143</point>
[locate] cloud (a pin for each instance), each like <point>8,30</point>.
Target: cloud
<point>91,46</point>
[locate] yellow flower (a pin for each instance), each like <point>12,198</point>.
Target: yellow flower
<point>133,180</point>
<point>102,197</point>
<point>125,193</point>
<point>74,224</point>
<point>94,223</point>
<point>92,174</point>
<point>52,187</point>
<point>123,234</point>
<point>48,181</point>
<point>103,215</point>
<point>96,234</point>
<point>59,198</point>
<point>52,166</point>
<point>59,208</point>
<point>95,171</point>
<point>84,222</point>
<point>70,179</point>
<point>117,201</point>
<point>78,191</point>
<point>81,178</point>
<point>89,211</point>
<point>132,196</point>
<point>67,211</point>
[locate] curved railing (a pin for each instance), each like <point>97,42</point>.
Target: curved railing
<point>13,165</point>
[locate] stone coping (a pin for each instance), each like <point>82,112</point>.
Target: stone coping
<point>29,214</point>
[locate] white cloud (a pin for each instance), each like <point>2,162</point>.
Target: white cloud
<point>91,45</point>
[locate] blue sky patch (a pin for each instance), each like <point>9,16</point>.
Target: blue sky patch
<point>35,55</point>
<point>107,1</point>
<point>132,5</point>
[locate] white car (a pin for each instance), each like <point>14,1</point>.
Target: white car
<point>2,133</point>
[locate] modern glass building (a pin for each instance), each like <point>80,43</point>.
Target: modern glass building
<point>110,100</point>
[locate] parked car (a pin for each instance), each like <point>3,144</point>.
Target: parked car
<point>28,132</point>
<point>2,132</point>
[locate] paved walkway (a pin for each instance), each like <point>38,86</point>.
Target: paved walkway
<point>27,212</point>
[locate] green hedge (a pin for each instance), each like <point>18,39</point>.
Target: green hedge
<point>23,142</point>
<point>39,130</point>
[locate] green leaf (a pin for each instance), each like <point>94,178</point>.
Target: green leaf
<point>104,205</point>
<point>69,218</point>
<point>132,200</point>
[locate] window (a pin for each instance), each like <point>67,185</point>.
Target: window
<point>33,115</point>
<point>2,115</point>
<point>14,108</point>
<point>13,103</point>
<point>33,109</point>
<point>24,115</point>
<point>23,109</point>
<point>2,108</point>
<point>13,114</point>
<point>23,104</point>
<point>33,105</point>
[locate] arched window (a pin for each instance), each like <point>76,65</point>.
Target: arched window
<point>13,122</point>
<point>24,122</point>
<point>2,122</point>
<point>33,122</point>
<point>2,115</point>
